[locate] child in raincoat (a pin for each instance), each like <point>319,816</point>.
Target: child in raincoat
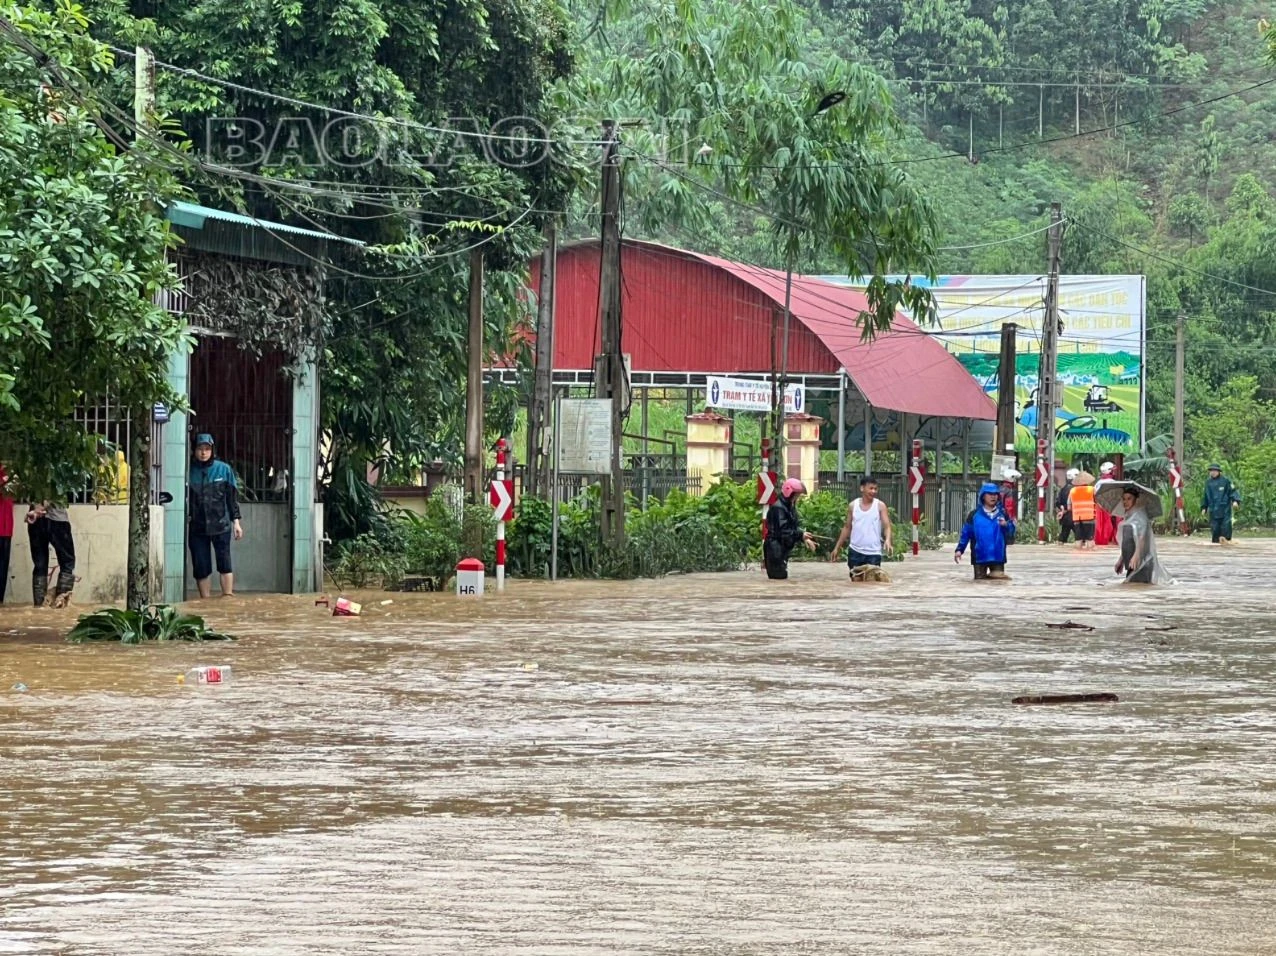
<point>986,529</point>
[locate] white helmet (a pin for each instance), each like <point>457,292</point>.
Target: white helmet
<point>1106,467</point>
<point>1073,472</point>
<point>1010,474</point>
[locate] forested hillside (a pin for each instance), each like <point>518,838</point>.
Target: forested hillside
<point>1150,122</point>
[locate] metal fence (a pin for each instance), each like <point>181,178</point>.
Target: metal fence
<point>945,502</point>
<point>109,422</point>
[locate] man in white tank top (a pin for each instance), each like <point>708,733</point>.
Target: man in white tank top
<point>868,526</point>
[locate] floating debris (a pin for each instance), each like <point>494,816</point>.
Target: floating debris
<point>1066,699</point>
<point>1071,625</point>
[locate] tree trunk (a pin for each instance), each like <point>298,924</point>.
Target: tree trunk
<point>139,511</point>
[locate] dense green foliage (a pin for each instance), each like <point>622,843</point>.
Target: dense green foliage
<point>82,249</point>
<point>393,356</point>
<point>158,622</point>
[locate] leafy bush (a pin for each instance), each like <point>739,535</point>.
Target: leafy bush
<point>376,556</point>
<point>159,622</point>
<point>433,540</point>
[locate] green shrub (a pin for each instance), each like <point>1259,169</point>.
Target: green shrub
<point>433,540</point>
<point>374,557</point>
<point>159,622</point>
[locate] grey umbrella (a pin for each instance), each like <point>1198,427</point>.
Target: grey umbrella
<point>1107,495</point>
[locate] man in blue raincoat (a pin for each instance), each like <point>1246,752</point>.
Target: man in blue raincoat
<point>1219,500</point>
<point>987,528</point>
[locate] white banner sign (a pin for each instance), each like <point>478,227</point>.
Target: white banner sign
<point>584,436</point>
<point>750,395</point>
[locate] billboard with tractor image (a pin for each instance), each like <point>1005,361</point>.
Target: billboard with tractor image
<point>1100,351</point>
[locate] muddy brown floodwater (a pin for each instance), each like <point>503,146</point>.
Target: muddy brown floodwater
<point>700,765</point>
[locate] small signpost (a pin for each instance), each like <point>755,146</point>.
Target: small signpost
<point>916,482</point>
<point>501,497</point>
<point>1043,481</point>
<point>1176,482</point>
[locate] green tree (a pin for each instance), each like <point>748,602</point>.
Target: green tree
<point>82,253</point>
<point>734,81</point>
<point>418,180</point>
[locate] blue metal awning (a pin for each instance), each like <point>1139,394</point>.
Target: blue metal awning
<point>192,216</point>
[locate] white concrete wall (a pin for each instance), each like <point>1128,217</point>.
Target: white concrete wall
<point>101,555</point>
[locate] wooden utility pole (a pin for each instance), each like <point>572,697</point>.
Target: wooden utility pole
<point>538,425</point>
<point>1006,389</point>
<point>609,369</point>
<point>1180,383</point>
<point>1048,391</point>
<point>138,587</point>
<point>474,385</point>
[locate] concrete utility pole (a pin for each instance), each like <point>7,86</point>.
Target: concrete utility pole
<point>538,430</point>
<point>1180,383</point>
<point>474,492</point>
<point>1049,392</point>
<point>138,587</point>
<point>778,435</point>
<point>1006,390</point>
<point>609,369</point>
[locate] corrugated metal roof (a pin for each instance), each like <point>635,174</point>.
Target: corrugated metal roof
<point>193,216</point>
<point>688,312</point>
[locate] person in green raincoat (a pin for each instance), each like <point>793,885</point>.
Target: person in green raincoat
<point>1219,501</point>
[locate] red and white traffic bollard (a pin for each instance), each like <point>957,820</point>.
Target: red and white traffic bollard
<point>1043,480</point>
<point>500,523</point>
<point>917,479</point>
<point>766,483</point>
<point>1176,481</point>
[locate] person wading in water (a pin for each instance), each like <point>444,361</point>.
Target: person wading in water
<point>784,530</point>
<point>987,528</point>
<point>868,526</point>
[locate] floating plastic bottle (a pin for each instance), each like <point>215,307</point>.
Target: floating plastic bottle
<point>207,674</point>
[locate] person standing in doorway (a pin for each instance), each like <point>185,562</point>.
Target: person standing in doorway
<point>50,525</point>
<point>1063,507</point>
<point>212,506</point>
<point>868,526</point>
<point>6,531</point>
<point>1219,500</point>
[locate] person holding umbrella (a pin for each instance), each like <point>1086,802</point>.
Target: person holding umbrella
<point>1136,506</point>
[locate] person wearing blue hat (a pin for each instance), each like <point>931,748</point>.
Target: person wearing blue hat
<point>1219,500</point>
<point>212,509</point>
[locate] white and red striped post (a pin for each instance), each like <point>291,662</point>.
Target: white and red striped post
<point>1043,480</point>
<point>500,524</point>
<point>766,468</point>
<point>1176,481</point>
<point>917,480</point>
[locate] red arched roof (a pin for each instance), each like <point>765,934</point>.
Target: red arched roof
<point>688,312</point>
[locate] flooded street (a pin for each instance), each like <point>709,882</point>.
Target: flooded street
<point>702,765</point>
